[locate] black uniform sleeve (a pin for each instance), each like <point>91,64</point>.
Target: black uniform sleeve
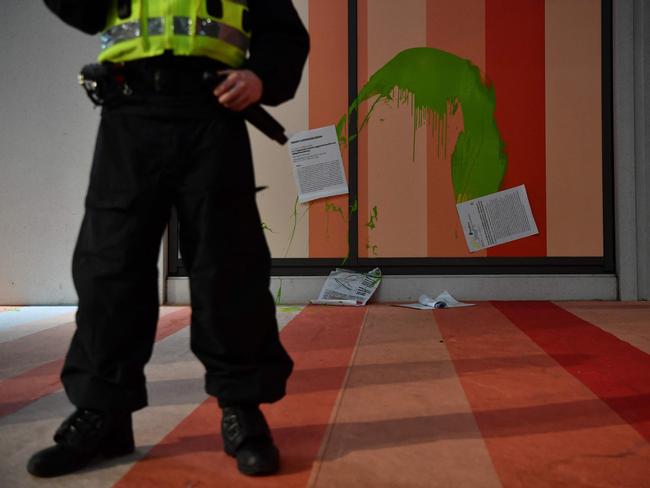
<point>278,49</point>
<point>88,16</point>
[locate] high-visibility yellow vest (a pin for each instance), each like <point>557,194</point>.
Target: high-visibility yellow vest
<point>138,29</point>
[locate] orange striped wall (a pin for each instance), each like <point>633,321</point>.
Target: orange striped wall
<point>573,129</point>
<point>543,59</point>
<point>514,40</point>
<point>396,171</point>
<point>328,100</point>
<point>362,77</point>
<point>457,27</point>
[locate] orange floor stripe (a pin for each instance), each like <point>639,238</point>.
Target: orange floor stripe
<point>321,341</point>
<point>403,419</point>
<point>25,388</point>
<point>172,323</point>
<point>21,390</point>
<point>541,425</point>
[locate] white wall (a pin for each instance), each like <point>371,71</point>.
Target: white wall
<point>47,129</point>
<point>273,169</point>
<point>47,132</point>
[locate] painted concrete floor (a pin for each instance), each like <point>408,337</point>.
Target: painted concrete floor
<point>514,394</point>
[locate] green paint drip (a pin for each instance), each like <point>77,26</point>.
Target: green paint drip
<point>278,295</point>
<point>431,80</point>
<point>372,224</point>
<point>289,309</point>
<point>374,216</point>
<point>354,207</point>
<point>294,225</point>
<point>331,207</point>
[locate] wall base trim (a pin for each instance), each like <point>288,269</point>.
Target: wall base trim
<point>401,288</point>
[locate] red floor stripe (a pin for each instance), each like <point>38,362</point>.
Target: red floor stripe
<point>25,388</point>
<point>614,370</point>
<point>515,64</point>
<point>172,323</point>
<point>321,341</point>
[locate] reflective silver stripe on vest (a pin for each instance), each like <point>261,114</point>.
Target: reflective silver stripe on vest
<point>156,26</point>
<point>217,30</point>
<point>181,25</point>
<point>119,33</point>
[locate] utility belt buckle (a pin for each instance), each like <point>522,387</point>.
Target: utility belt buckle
<point>99,80</point>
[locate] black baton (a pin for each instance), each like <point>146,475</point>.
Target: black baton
<point>255,114</point>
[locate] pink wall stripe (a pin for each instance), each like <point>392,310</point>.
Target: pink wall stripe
<point>396,183</point>
<point>574,197</point>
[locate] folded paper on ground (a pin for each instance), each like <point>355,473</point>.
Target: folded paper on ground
<point>497,218</point>
<point>344,287</point>
<point>444,300</point>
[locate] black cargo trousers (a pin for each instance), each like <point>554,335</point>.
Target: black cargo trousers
<point>193,155</point>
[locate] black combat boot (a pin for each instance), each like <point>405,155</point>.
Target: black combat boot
<point>246,436</point>
<point>86,437</point>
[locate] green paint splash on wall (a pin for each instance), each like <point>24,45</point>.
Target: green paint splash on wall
<point>330,207</point>
<point>374,216</point>
<point>431,79</point>
<point>372,225</point>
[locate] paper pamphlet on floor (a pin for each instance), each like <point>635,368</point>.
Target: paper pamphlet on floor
<point>444,300</point>
<point>344,287</point>
<point>317,164</point>
<point>497,218</point>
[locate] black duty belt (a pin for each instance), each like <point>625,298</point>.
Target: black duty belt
<point>166,77</point>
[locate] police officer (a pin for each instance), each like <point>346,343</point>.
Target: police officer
<point>166,139</point>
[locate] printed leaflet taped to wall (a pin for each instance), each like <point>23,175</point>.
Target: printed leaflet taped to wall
<point>317,164</point>
<point>497,218</point>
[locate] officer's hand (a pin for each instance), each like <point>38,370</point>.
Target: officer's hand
<point>240,89</point>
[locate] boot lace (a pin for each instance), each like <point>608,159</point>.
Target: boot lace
<point>81,426</point>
